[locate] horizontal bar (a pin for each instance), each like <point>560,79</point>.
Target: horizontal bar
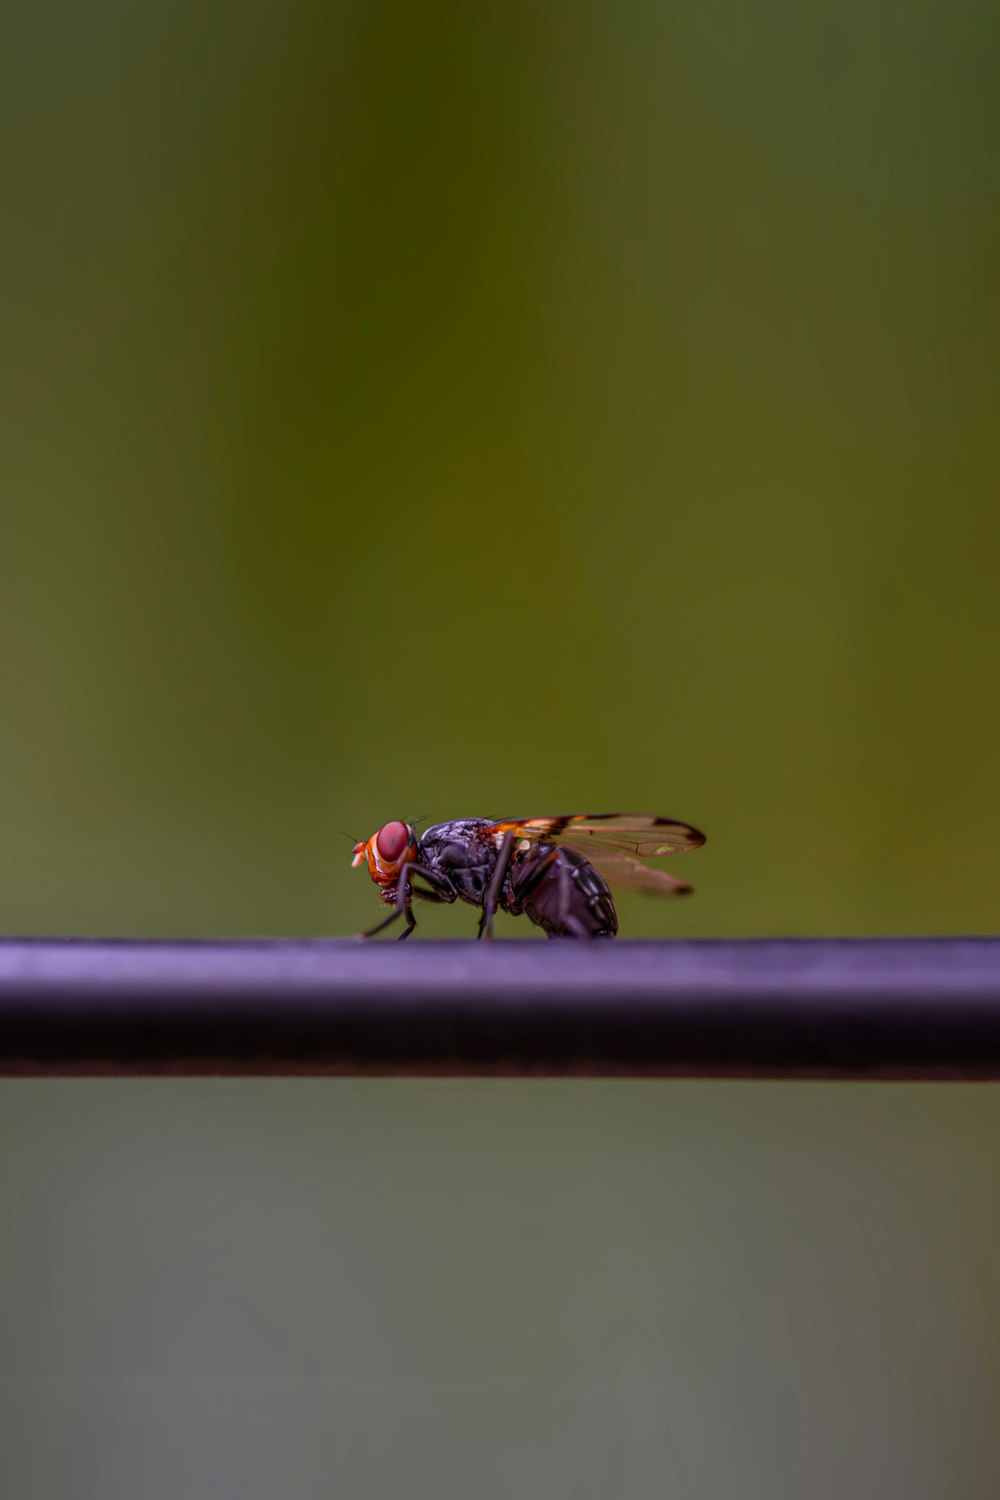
<point>845,1008</point>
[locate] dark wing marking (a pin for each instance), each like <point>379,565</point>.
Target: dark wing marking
<point>644,834</point>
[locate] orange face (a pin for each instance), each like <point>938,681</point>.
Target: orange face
<point>386,852</point>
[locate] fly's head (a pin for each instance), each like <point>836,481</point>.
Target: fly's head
<point>385,854</point>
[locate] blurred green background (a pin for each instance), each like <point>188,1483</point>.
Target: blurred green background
<point>499,409</point>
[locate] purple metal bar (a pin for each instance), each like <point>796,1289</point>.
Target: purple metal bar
<point>847,1008</point>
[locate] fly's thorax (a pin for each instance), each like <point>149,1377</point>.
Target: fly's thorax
<point>458,844</point>
<point>455,830</point>
<point>463,852</point>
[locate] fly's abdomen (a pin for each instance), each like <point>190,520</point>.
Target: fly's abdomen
<point>561,892</point>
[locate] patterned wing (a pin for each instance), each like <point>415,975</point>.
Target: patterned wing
<point>642,835</point>
<point>629,871</point>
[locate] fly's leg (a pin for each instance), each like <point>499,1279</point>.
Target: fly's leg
<point>492,897</point>
<point>564,892</point>
<point>441,889</point>
<point>393,916</point>
<point>542,868</point>
<point>411,925</point>
<point>535,877</point>
<point>572,924</point>
<point>574,927</point>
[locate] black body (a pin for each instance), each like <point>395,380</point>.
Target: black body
<point>554,887</point>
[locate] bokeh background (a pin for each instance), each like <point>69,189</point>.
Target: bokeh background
<point>499,409</point>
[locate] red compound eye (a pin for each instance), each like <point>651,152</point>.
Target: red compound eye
<point>392,840</point>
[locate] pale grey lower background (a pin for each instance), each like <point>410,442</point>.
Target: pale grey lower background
<point>498,1288</point>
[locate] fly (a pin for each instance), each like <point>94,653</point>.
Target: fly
<point>543,868</point>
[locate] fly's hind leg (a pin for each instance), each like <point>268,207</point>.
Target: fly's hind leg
<point>572,926</point>
<point>534,877</point>
<point>491,900</point>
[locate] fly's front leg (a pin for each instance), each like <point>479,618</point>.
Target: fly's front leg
<point>440,889</point>
<point>411,924</point>
<point>393,916</point>
<point>491,900</point>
